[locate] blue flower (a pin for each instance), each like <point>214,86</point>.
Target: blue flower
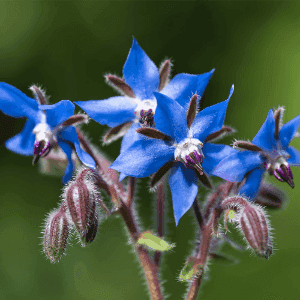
<point>137,104</point>
<point>269,151</point>
<point>181,145</point>
<point>43,129</point>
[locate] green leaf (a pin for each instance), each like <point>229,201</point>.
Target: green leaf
<point>154,242</point>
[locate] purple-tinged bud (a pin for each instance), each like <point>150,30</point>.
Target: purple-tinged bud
<point>253,224</point>
<point>82,199</point>
<point>56,235</point>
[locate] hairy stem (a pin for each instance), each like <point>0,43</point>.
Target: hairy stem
<point>160,219</point>
<point>126,213</point>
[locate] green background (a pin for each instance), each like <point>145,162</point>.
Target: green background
<point>67,47</point>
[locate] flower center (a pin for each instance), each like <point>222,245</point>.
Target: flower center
<point>280,168</point>
<point>190,153</point>
<point>145,112</point>
<point>44,139</point>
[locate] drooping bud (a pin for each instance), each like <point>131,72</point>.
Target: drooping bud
<point>253,224</point>
<point>81,198</point>
<point>56,235</point>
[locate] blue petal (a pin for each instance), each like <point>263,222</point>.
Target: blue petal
<point>265,137</point>
<point>140,73</point>
<point>294,160</point>
<point>251,187</point>
<point>184,188</point>
<point>16,104</point>
<point>130,137</point>
<point>122,176</point>
<point>234,167</point>
<point>213,154</point>
<point>112,111</point>
<point>210,119</point>
<point>144,157</point>
<point>183,86</point>
<point>58,112</point>
<point>70,167</point>
<point>69,135</point>
<point>23,142</point>
<point>288,131</point>
<point>170,118</point>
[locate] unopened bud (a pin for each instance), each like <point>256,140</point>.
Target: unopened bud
<point>56,235</point>
<point>81,199</point>
<point>253,223</point>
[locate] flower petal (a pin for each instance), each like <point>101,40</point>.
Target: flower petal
<point>184,188</point>
<point>234,167</point>
<point>112,111</point>
<point>16,104</point>
<point>265,137</point>
<point>213,154</point>
<point>140,73</point>
<point>23,142</point>
<point>69,135</point>
<point>70,167</point>
<point>251,186</point>
<point>58,112</point>
<point>130,137</point>
<point>288,131</point>
<point>183,86</point>
<point>144,157</point>
<point>210,119</point>
<point>170,118</point>
<point>294,160</point>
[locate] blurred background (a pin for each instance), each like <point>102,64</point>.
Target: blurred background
<point>67,47</point>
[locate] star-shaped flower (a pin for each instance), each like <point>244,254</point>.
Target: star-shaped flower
<point>136,106</point>
<point>179,142</point>
<point>269,151</point>
<point>46,127</point>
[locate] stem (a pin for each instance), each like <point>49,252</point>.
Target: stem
<point>146,261</point>
<point>126,213</point>
<point>130,191</point>
<point>198,214</point>
<point>160,219</point>
<point>202,255</point>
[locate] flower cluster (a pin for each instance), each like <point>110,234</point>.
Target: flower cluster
<point>165,129</point>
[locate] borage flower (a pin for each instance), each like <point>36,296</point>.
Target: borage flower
<point>46,127</point>
<point>269,151</point>
<point>179,143</point>
<point>137,105</point>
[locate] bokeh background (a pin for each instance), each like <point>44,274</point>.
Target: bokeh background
<point>67,47</point>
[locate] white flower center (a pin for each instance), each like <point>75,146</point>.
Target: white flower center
<point>145,105</point>
<point>43,132</point>
<point>185,148</point>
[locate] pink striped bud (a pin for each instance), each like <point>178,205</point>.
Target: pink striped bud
<point>253,224</point>
<point>81,198</point>
<point>56,235</point>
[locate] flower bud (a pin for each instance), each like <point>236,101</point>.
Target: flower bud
<point>56,235</point>
<point>253,224</point>
<point>192,269</point>
<point>81,198</point>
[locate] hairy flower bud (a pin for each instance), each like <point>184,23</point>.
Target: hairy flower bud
<point>81,198</point>
<point>56,235</point>
<point>253,224</point>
